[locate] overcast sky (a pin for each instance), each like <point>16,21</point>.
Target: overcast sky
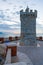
<point>10,11</point>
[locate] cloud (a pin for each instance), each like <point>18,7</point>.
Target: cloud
<point>10,29</point>
<point>39,28</point>
<point>33,4</point>
<point>7,27</point>
<point>13,13</point>
<point>7,9</point>
<point>21,7</point>
<point>17,12</point>
<point>4,0</point>
<point>10,3</point>
<point>9,22</point>
<point>1,14</point>
<point>5,17</point>
<point>41,22</point>
<point>15,28</point>
<point>4,26</point>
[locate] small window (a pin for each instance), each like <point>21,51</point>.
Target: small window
<point>33,14</point>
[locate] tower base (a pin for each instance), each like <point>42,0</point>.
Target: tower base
<point>27,43</point>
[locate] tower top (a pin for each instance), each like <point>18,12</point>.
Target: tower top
<point>27,9</point>
<point>28,12</point>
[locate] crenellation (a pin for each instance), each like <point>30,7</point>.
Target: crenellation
<point>31,11</point>
<point>21,11</point>
<point>27,13</point>
<point>35,12</point>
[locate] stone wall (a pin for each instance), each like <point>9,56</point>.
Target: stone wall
<point>28,27</point>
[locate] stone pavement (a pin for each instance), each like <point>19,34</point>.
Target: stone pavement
<point>21,57</point>
<point>34,53</point>
<point>18,63</point>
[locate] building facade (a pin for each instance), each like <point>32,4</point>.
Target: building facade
<point>28,27</point>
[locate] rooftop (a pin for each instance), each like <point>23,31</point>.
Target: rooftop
<point>28,54</point>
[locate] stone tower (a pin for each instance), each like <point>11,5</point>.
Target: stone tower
<point>28,27</point>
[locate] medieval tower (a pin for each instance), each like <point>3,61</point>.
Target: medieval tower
<point>28,27</point>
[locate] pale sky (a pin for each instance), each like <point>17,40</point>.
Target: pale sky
<point>10,11</point>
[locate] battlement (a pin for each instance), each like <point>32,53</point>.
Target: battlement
<point>28,13</point>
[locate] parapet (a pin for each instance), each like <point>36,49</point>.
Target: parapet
<point>28,13</point>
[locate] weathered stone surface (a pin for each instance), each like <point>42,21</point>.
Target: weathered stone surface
<point>28,27</point>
